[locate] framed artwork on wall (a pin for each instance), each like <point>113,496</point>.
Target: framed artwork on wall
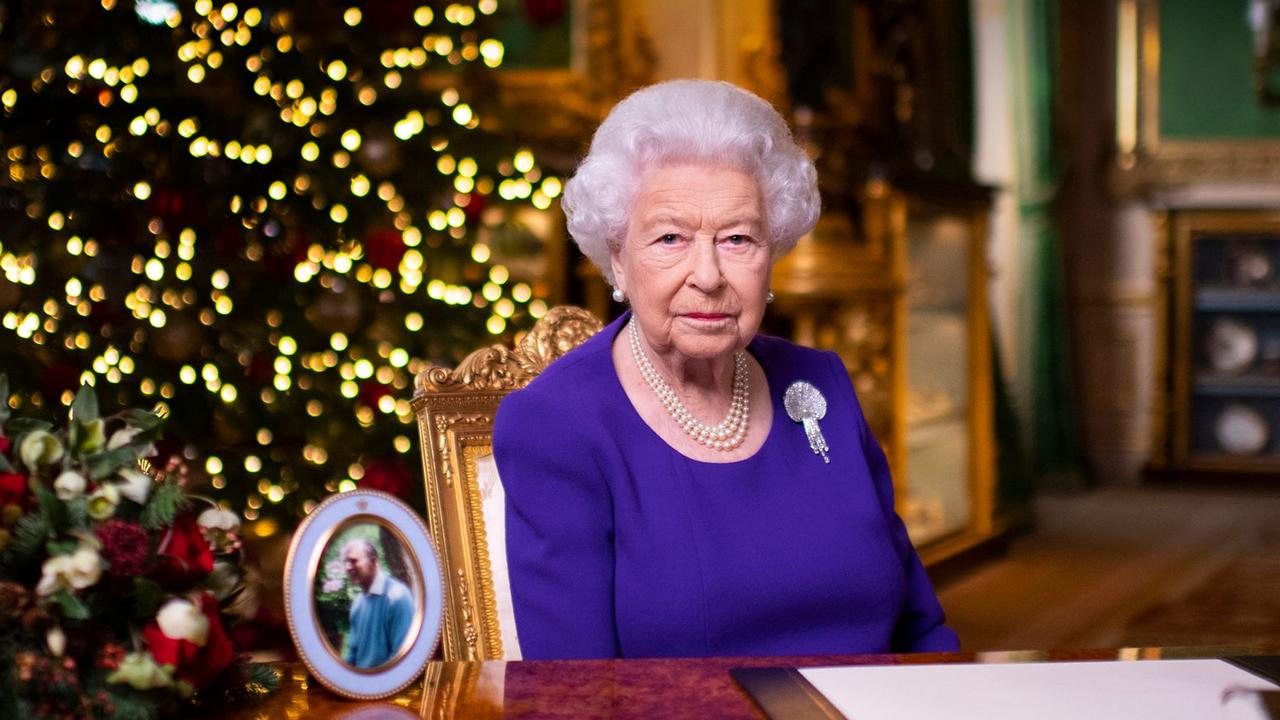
<point>1191,99</point>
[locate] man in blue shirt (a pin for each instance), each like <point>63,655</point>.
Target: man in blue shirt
<point>383,612</point>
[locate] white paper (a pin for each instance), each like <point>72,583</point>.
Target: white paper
<point>1123,690</point>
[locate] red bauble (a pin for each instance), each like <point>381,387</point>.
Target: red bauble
<point>388,476</point>
<point>372,391</point>
<point>14,491</point>
<point>384,248</point>
<point>60,377</point>
<point>176,207</point>
<point>261,369</point>
<point>476,204</point>
<point>544,12</point>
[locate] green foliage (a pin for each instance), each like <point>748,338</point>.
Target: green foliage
<point>130,704</point>
<point>25,545</point>
<point>147,595</point>
<point>252,681</point>
<point>54,511</point>
<point>72,607</point>
<point>166,501</point>
<point>23,425</point>
<point>85,407</point>
<point>147,422</point>
<point>109,462</point>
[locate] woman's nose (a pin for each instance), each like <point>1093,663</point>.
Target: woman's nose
<point>704,271</point>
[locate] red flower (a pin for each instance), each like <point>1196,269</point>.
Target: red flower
<point>197,665</point>
<point>183,557</point>
<point>124,545</point>
<point>13,490</point>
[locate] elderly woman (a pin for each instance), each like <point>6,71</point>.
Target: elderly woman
<point>661,501</point>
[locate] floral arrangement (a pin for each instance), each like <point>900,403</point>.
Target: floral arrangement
<point>115,595</point>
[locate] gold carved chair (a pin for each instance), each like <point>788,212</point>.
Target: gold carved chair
<point>465,500</point>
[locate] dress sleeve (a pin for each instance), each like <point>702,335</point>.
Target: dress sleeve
<point>921,625</point>
<point>559,530</point>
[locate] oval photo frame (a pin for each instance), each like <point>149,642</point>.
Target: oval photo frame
<point>382,572</point>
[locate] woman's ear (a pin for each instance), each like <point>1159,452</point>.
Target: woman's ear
<point>619,275</point>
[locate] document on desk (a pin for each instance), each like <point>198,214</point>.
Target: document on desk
<point>1166,689</point>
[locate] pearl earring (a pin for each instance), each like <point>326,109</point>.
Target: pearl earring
<point>619,296</point>
<point>768,298</point>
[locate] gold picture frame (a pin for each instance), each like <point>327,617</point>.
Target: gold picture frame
<point>1146,158</point>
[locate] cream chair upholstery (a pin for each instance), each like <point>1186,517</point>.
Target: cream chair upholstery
<point>465,500</point>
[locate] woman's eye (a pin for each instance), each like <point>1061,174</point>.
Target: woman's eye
<point>737,239</point>
<point>669,239</point>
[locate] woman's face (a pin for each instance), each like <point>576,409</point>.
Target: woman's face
<point>695,262</point>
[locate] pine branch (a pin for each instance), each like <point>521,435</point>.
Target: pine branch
<point>242,682</point>
<point>25,545</point>
<point>166,501</point>
<point>263,679</point>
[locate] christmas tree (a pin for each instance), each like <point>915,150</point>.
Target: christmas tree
<point>262,220</point>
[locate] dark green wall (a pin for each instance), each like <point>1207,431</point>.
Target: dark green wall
<point>1206,73</point>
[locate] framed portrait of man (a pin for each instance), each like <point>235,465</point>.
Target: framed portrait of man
<point>364,594</point>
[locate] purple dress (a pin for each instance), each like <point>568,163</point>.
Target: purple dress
<point>619,546</point>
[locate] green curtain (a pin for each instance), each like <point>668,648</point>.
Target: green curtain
<point>1054,451</point>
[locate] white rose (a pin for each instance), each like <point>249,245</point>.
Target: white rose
<point>182,620</point>
<point>57,641</point>
<point>39,448</point>
<point>69,485</point>
<point>84,567</point>
<point>122,437</point>
<point>53,575</point>
<point>219,519</point>
<point>136,485</point>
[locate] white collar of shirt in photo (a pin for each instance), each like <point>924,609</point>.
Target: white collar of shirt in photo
<point>379,584</point>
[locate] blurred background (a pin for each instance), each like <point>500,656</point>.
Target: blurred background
<point>1048,256</point>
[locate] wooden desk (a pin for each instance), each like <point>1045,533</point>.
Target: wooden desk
<point>696,688</point>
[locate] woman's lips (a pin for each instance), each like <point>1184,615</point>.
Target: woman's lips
<point>706,316</point>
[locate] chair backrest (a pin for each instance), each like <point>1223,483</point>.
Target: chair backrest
<point>465,500</point>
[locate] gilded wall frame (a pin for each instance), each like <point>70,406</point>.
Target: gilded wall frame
<point>1145,158</point>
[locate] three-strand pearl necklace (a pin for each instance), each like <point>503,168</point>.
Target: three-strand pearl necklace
<point>731,431</point>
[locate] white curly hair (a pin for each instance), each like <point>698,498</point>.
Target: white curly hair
<point>688,121</point>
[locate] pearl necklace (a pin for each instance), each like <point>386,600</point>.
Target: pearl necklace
<point>730,433</point>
